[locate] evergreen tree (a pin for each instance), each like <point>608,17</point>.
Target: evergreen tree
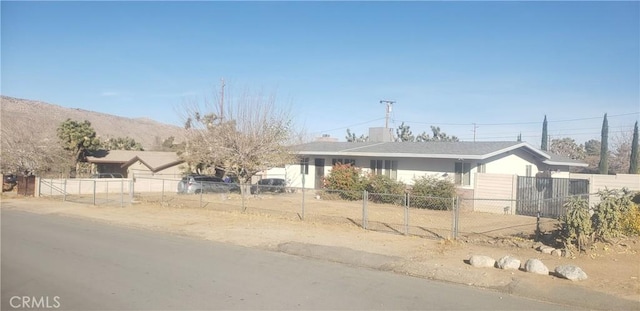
<point>519,137</point>
<point>603,166</point>
<point>543,145</point>
<point>403,133</point>
<point>633,162</point>
<point>79,138</point>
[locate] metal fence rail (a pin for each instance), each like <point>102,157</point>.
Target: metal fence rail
<point>107,191</point>
<point>428,217</point>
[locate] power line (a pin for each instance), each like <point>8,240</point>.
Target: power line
<point>348,126</point>
<point>528,122</point>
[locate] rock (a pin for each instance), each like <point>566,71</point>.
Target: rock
<point>546,249</point>
<point>536,266</point>
<point>556,252</point>
<point>570,272</point>
<point>508,262</point>
<point>480,261</point>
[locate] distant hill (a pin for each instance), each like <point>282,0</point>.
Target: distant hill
<point>43,119</point>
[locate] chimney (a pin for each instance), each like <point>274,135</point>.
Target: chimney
<point>380,134</point>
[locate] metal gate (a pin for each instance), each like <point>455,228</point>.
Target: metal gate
<point>547,195</point>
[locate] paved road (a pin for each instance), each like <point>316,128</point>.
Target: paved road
<point>77,264</point>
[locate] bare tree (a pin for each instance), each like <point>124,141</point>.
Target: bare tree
<point>254,136</point>
<point>27,152</point>
<point>567,147</point>
<point>621,152</point>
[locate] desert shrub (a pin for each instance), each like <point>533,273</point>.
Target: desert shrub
<point>432,193</point>
<point>608,215</point>
<point>631,220</point>
<point>576,228</point>
<point>383,189</point>
<point>346,181</point>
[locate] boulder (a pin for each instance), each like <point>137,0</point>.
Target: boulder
<point>556,252</point>
<point>508,262</point>
<point>481,261</point>
<point>546,249</point>
<point>570,272</point>
<point>536,266</point>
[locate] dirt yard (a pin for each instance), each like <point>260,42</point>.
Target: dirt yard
<point>427,251</point>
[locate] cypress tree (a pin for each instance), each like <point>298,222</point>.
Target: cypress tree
<point>543,146</point>
<point>603,166</point>
<point>633,162</point>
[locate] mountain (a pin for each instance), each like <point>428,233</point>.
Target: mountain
<point>42,119</point>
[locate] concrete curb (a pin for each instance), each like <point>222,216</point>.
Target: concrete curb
<point>560,294</point>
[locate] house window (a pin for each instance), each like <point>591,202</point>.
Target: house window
<point>528,170</point>
<point>343,161</point>
<point>304,166</point>
<point>388,168</point>
<point>463,176</point>
<point>482,168</point>
<point>376,167</point>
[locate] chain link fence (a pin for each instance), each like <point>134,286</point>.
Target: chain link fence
<point>428,217</point>
<point>107,191</point>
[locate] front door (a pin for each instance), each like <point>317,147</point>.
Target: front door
<point>319,163</point>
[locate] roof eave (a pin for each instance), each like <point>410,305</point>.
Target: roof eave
<point>559,163</point>
<point>394,155</point>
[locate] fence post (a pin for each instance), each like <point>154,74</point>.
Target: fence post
<point>121,192</point>
<point>94,192</point>
<point>131,190</point>
<point>162,195</point>
<point>455,201</point>
<point>64,191</point>
<point>406,213</point>
<point>108,182</point>
<point>303,180</point>
<point>365,199</point>
<point>302,216</point>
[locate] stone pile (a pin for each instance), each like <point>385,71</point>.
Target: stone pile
<point>532,265</point>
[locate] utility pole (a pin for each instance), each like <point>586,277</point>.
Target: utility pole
<point>222,100</point>
<point>386,119</point>
<point>474,131</point>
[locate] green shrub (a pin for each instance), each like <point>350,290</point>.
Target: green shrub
<point>576,224</point>
<point>432,193</point>
<point>607,218</point>
<point>346,181</point>
<point>383,189</point>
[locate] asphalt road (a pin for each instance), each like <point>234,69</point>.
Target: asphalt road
<point>73,264</point>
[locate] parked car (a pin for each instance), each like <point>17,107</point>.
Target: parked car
<point>277,185</point>
<point>107,175</point>
<point>204,183</point>
<point>9,181</point>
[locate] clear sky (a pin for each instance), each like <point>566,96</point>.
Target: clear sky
<point>500,65</point>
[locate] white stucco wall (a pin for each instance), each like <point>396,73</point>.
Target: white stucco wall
<point>513,163</point>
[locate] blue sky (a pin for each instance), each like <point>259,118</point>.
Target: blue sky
<point>500,65</point>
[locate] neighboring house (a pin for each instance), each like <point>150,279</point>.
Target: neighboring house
<point>136,163</point>
<point>404,161</point>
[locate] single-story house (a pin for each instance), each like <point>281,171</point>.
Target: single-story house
<point>130,163</point>
<point>404,161</point>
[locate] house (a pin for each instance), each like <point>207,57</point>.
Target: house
<point>404,161</point>
<point>131,163</point>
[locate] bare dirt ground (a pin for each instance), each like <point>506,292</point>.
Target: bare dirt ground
<point>613,270</point>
